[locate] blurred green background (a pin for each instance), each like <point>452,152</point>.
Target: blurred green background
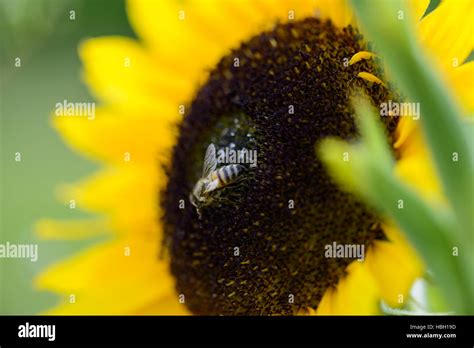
<point>42,34</point>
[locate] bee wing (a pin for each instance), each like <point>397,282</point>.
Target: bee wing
<point>212,186</point>
<point>210,161</point>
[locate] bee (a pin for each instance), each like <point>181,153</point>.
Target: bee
<point>213,179</point>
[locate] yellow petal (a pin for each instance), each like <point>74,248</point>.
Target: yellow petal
<point>269,12</point>
<point>191,37</point>
<point>166,305</point>
<point>356,294</point>
<point>395,266</point>
<point>406,126</point>
<point>462,83</point>
<point>218,20</point>
<point>71,229</point>
<point>128,195</point>
<point>417,8</point>
<point>121,71</point>
<point>104,280</point>
<point>207,18</point>
<point>164,26</point>
<point>119,137</point>
<point>415,165</point>
<point>339,11</point>
<point>325,306</point>
<point>448,32</point>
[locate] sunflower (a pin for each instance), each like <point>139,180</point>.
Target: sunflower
<point>273,77</point>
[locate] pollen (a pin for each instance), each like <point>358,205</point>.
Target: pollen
<point>360,56</point>
<point>370,77</point>
<point>292,89</point>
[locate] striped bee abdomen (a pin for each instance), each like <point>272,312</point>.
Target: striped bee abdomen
<point>228,174</point>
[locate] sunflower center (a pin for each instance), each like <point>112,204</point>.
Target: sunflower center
<point>258,245</point>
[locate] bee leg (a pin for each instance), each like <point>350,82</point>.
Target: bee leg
<point>224,200</point>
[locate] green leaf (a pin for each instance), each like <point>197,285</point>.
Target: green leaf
<point>429,228</point>
<point>441,117</point>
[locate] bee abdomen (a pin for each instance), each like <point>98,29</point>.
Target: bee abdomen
<point>229,173</point>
